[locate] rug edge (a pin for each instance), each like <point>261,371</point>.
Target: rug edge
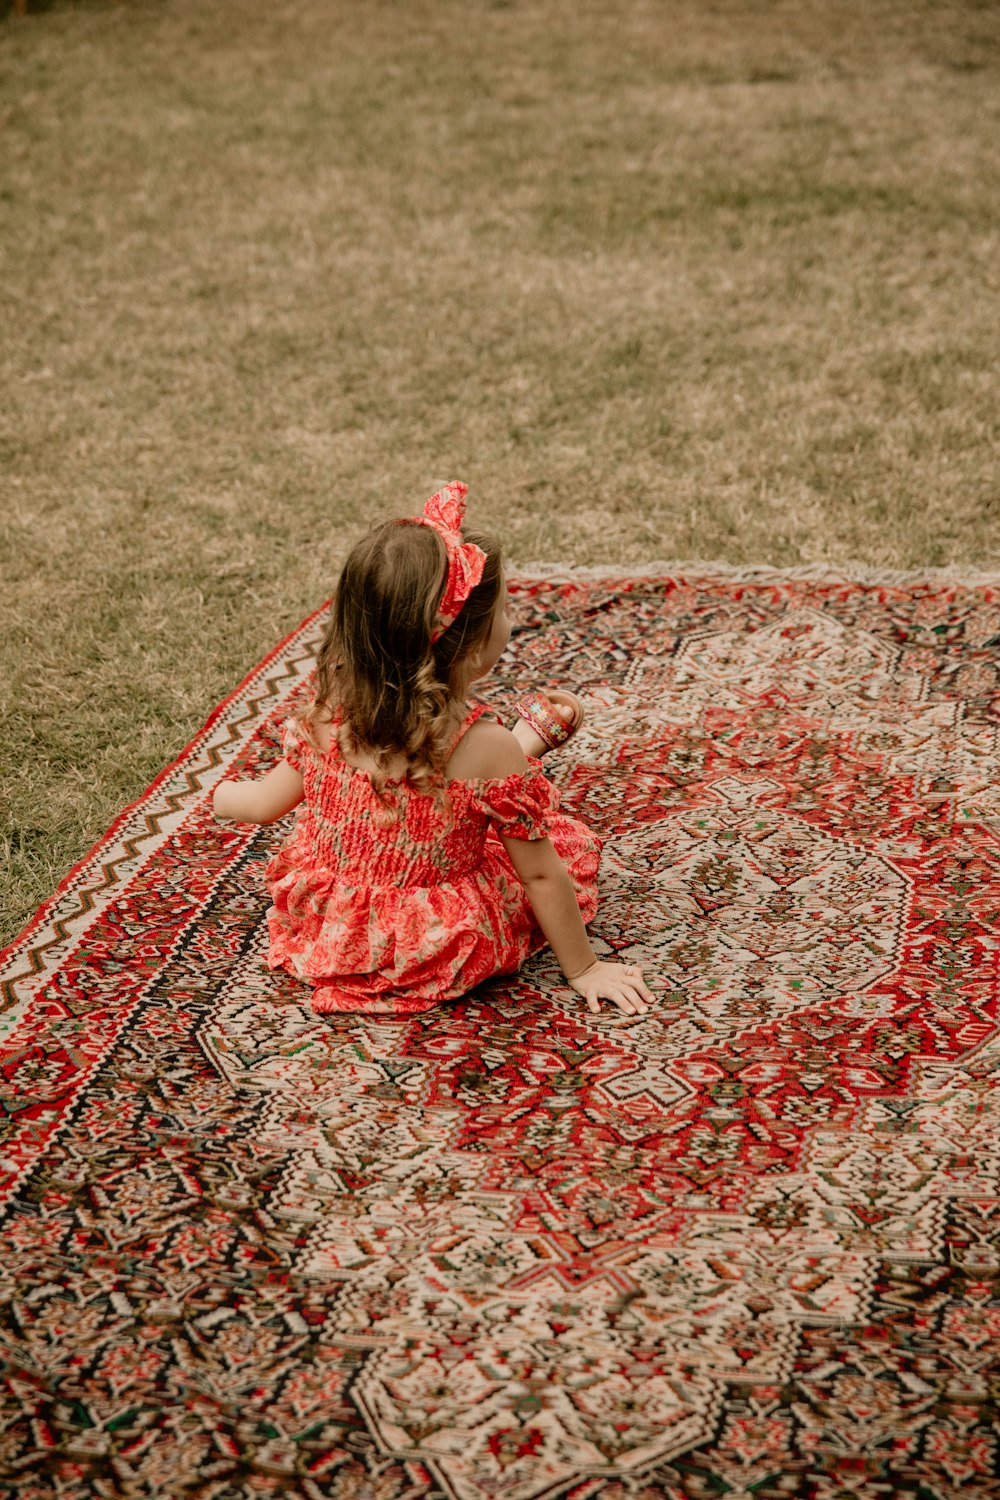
<point>819,572</point>
<point>9,952</point>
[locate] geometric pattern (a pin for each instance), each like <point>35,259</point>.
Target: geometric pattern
<point>745,1245</point>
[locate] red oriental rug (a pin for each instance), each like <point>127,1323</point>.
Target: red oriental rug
<point>747,1246</point>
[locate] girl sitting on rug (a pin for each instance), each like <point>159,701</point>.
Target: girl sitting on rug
<point>429,854</point>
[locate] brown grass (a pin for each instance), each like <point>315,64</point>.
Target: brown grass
<point>659,279</point>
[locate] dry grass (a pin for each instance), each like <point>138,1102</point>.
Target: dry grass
<point>660,279</point>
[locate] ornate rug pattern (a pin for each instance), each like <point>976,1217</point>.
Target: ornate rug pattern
<point>746,1246</point>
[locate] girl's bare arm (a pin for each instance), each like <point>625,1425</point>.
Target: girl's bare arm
<point>553,900</point>
<point>490,751</point>
<point>263,801</point>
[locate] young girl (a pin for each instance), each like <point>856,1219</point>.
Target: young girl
<point>429,854</point>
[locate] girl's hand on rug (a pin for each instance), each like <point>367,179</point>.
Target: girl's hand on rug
<point>621,983</point>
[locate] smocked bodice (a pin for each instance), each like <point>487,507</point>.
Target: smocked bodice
<point>396,901</point>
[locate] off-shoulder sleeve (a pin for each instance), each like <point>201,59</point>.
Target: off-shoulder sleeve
<point>294,744</point>
<point>520,805</point>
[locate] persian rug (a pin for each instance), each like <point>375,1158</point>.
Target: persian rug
<point>745,1246</point>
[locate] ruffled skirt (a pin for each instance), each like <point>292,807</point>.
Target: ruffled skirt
<point>400,950</point>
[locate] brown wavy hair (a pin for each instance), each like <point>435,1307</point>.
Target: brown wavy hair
<point>394,689</point>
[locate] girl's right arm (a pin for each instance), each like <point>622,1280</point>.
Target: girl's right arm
<point>553,900</point>
<point>263,801</point>
<point>491,751</point>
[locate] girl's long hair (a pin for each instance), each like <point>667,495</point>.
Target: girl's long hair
<point>378,671</point>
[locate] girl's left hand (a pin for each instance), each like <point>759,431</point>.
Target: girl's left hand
<point>622,984</point>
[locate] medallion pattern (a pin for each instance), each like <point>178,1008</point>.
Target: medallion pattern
<point>747,1245</point>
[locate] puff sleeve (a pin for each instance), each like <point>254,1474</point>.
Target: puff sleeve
<point>295,747</point>
<point>520,806</point>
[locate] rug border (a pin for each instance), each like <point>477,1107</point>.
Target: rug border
<point>8,952</point>
<point>817,572</point>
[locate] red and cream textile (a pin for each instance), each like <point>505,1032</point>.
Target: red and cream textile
<point>747,1245</point>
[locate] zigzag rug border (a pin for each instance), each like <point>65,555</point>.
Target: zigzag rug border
<point>132,851</point>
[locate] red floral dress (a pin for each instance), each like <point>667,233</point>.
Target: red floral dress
<point>394,910</point>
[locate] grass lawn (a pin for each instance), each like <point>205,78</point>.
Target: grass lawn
<point>658,278</point>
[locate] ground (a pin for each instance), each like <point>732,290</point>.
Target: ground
<point>657,280</point>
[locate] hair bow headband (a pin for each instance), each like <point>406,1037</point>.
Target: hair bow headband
<point>445,512</point>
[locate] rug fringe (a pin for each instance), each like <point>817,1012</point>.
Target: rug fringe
<point>847,572</point>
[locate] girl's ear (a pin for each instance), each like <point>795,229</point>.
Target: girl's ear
<point>473,664</point>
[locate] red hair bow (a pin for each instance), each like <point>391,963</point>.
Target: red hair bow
<point>445,512</point>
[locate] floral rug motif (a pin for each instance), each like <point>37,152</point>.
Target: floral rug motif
<point>745,1246</point>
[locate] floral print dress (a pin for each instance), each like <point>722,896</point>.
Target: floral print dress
<point>395,908</point>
